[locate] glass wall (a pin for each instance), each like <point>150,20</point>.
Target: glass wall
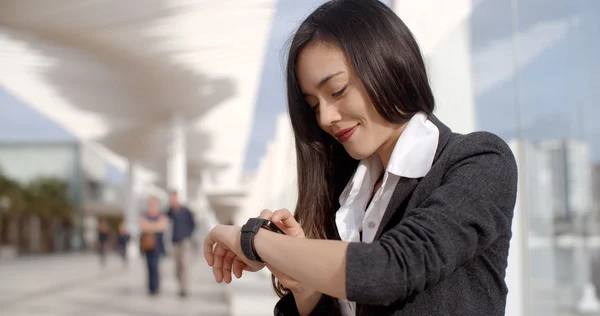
<point>534,76</point>
<point>26,161</point>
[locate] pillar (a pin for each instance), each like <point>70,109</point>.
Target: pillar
<point>131,216</point>
<point>177,157</point>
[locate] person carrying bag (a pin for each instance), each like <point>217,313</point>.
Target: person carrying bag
<point>152,225</point>
<point>147,242</point>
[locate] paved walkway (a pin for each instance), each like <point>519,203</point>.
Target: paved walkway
<point>76,284</point>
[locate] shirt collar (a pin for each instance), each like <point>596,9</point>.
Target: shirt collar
<point>415,149</point>
<point>412,157</point>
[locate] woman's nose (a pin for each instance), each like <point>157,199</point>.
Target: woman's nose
<point>328,114</point>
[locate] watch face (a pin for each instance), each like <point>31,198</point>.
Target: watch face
<point>255,223</point>
<point>272,227</point>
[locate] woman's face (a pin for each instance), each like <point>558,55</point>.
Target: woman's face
<point>342,106</point>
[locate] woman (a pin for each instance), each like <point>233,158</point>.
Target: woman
<point>153,223</point>
<point>396,215</point>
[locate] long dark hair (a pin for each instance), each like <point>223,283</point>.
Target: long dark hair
<point>387,59</point>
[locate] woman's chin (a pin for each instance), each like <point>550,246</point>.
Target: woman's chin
<point>356,153</point>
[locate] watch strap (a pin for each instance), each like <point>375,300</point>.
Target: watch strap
<point>249,230</point>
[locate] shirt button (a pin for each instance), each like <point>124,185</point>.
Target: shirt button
<point>371,225</point>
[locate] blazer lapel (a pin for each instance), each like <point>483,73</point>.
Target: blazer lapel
<point>405,187</point>
<point>402,193</point>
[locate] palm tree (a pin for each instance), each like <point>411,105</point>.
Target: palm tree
<point>13,204</point>
<point>48,200</point>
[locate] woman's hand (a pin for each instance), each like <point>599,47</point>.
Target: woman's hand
<point>306,298</point>
<point>226,256</point>
<point>288,224</point>
<point>290,283</point>
<point>285,221</point>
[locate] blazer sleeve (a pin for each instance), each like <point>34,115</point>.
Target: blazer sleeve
<point>287,306</point>
<point>471,209</point>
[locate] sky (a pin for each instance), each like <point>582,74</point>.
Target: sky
<point>21,123</point>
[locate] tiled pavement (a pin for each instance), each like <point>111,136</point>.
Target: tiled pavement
<point>78,285</point>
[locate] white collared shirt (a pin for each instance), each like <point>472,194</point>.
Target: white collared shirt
<point>412,157</point>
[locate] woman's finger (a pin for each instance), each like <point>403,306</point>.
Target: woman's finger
<point>290,225</point>
<point>209,244</point>
<point>227,265</point>
<point>254,267</point>
<point>238,267</point>
<point>265,214</point>
<point>284,216</point>
<point>218,255</point>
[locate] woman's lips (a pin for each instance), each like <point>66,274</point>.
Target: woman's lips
<point>345,134</point>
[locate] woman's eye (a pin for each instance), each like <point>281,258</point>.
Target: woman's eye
<point>339,92</point>
<point>314,107</point>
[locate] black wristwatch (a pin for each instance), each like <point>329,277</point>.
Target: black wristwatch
<point>249,230</point>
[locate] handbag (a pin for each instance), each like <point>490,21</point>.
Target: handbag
<point>147,242</point>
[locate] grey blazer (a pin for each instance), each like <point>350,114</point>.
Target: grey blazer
<point>442,244</point>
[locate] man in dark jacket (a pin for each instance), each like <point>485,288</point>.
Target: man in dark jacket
<point>183,228</point>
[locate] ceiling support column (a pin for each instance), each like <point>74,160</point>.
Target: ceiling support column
<point>177,157</point>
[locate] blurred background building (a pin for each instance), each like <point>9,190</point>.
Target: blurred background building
<point>107,102</point>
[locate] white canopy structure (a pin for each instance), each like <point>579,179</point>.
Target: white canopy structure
<point>167,86</point>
